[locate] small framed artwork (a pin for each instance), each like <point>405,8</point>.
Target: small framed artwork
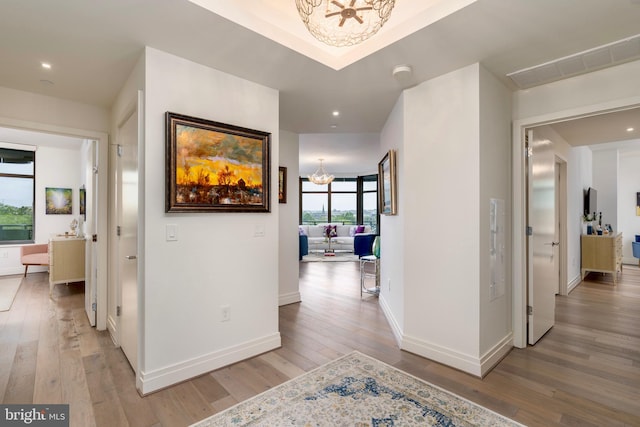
<point>58,201</point>
<point>282,184</point>
<point>215,167</point>
<point>387,186</point>
<point>83,202</point>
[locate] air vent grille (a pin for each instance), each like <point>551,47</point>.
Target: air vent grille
<point>590,60</point>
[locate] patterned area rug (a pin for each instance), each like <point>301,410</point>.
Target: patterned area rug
<point>356,390</point>
<point>8,289</point>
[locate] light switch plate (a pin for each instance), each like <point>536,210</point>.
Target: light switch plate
<point>172,232</point>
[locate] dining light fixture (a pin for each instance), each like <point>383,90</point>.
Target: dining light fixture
<point>346,22</point>
<point>320,176</point>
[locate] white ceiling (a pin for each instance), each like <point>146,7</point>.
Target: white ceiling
<point>93,45</point>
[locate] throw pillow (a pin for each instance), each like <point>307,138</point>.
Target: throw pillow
<point>301,231</point>
<point>330,231</point>
<point>359,229</point>
<point>352,231</point>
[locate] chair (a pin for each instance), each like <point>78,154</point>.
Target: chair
<point>363,244</point>
<point>635,246</point>
<point>368,262</point>
<point>303,248</point>
<point>34,255</point>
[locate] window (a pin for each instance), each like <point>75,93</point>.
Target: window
<point>370,214</point>
<point>17,188</point>
<point>347,201</point>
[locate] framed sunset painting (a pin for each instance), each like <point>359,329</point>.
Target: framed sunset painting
<point>215,167</point>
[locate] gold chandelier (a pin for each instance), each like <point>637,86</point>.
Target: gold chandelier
<point>320,176</point>
<point>346,22</point>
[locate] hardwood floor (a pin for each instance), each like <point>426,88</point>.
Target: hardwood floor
<point>584,372</point>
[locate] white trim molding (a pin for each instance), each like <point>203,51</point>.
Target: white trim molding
<point>149,382</point>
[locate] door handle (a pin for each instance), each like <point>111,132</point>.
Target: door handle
<point>130,257</point>
<point>553,243</point>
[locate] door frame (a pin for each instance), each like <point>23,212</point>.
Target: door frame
<point>101,227</point>
<point>519,206</point>
<point>561,207</point>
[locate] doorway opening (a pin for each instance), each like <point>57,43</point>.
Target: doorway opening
<point>97,257</point>
<point>521,274</point>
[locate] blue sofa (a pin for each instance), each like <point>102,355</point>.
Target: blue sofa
<point>304,246</point>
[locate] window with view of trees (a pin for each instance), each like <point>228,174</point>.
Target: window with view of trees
<point>347,201</point>
<point>17,186</point>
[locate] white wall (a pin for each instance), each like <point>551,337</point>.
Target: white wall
<point>288,241</point>
<point>345,154</point>
<point>447,184</point>
<point>217,259</point>
<point>579,178</point>
<point>391,228</point>
<point>34,108</point>
<point>628,186</point>
<point>495,141</point>
<point>605,181</point>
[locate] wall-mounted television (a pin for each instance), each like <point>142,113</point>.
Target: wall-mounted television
<point>590,200</point>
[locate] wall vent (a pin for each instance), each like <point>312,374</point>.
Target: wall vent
<point>580,63</point>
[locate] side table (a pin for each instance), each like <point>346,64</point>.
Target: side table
<point>366,275</point>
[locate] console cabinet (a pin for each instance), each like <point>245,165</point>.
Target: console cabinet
<point>602,254</point>
<point>66,260</point>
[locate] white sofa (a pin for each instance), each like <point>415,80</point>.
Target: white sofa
<point>343,241</point>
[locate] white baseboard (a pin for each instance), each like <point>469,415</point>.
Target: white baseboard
<point>112,327</point>
<point>492,357</point>
<point>155,380</point>
<point>447,356</point>
<point>395,327</point>
<point>290,298</point>
<point>630,261</point>
<point>464,362</point>
<point>573,283</point>
<point>10,271</point>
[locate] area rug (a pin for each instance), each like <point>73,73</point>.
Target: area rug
<point>8,289</point>
<point>356,390</point>
<point>339,257</point>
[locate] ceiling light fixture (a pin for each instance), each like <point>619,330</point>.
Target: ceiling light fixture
<point>46,65</point>
<point>320,176</point>
<point>630,129</point>
<point>336,113</point>
<point>346,22</point>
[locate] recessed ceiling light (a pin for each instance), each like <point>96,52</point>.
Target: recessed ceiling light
<point>630,129</point>
<point>336,113</point>
<point>334,126</point>
<point>46,65</point>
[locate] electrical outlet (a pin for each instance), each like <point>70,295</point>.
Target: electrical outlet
<point>225,313</point>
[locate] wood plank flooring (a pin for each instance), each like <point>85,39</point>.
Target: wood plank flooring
<point>584,372</point>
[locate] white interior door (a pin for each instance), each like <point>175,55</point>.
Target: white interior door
<point>543,242</point>
<point>128,240</point>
